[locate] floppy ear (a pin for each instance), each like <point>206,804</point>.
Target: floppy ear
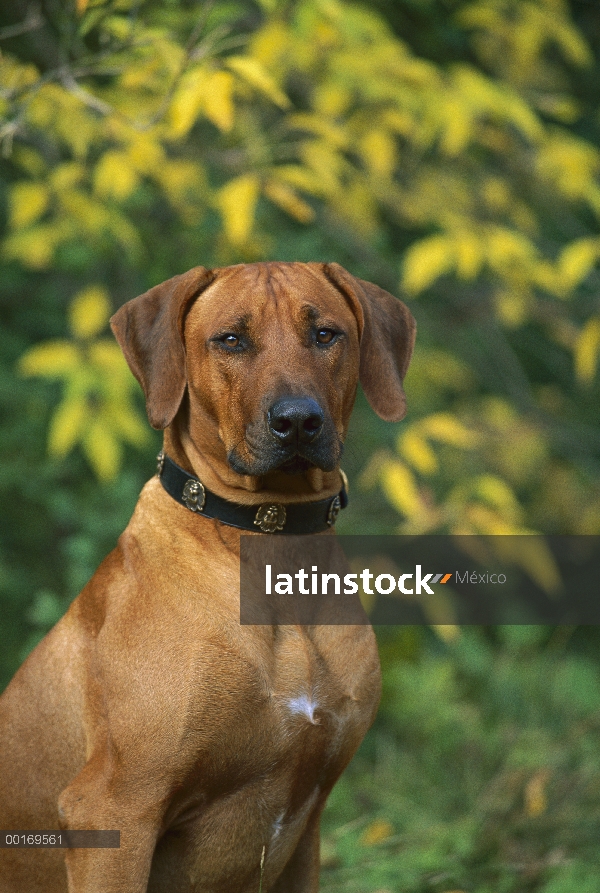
<point>387,341</point>
<point>149,330</point>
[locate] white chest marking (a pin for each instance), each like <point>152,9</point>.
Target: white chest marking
<point>305,706</point>
<point>277,826</point>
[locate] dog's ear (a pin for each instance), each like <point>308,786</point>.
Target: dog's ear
<point>149,330</point>
<point>388,331</point>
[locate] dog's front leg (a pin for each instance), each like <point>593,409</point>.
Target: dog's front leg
<point>301,874</point>
<point>97,800</point>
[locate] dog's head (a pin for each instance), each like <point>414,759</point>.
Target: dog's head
<point>264,359</point>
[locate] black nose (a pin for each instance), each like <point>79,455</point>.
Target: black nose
<point>295,420</point>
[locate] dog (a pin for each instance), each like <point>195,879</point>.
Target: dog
<point>211,746</point>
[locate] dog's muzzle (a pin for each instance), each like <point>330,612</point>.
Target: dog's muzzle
<point>295,421</point>
<point>294,435</point>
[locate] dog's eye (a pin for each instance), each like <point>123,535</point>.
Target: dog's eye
<point>325,336</point>
<point>231,342</point>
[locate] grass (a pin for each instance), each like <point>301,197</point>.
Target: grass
<point>481,774</point>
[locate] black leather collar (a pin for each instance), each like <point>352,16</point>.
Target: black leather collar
<point>270,517</point>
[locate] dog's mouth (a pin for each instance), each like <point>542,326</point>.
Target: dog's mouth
<point>289,462</point>
<point>296,465</point>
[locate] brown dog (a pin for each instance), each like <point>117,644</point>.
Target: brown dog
<point>148,708</point>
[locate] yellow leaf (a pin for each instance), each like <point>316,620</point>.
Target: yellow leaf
<point>86,211</point>
<point>301,178</point>
<point>545,276</point>
<point>125,423</point>
<point>481,519</point>
<point>218,100</point>
<point>572,43</point>
<point>587,350</point>
<point>378,149</point>
<point>469,256</point>
<point>440,367</point>
<point>332,134</point>
<point>534,556</point>
<point>415,449</point>
<point>448,632</point>
<point>535,794</point>
<point>356,204</point>
<point>458,127</point>
<point>114,176</point>
<point>426,261</point>
<point>477,16</point>
<point>29,161</point>
<point>146,154</point>
<point>107,356</point>
<point>370,476</point>
<point>499,413</point>
<point>400,488</point>
<point>42,106</point>
<point>286,199</point>
<point>496,194</point>
<point>33,247</point>
<point>81,6</point>
<point>52,359</point>
<point>89,311</point>
<point>28,201</point>
<point>102,450</point>
<point>506,247</point>
<point>68,425</point>
<point>570,162</point>
<point>488,504</point>
<point>489,98</point>
<point>188,101</point>
<point>271,43</point>
<point>519,113</point>
<point>401,122</point>
<point>446,428</point>
<point>325,164</point>
<point>576,261</point>
<point>512,307</point>
<point>251,71</point>
<point>205,91</point>
<point>498,494</point>
<point>237,201</point>
<point>564,108</point>
<point>121,27</point>
<point>184,185</point>
<point>331,100</point>
<point>376,832</point>
<point>67,175</point>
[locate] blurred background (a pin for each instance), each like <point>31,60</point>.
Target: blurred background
<point>447,150</point>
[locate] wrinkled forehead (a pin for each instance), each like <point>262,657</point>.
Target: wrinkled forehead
<point>263,291</point>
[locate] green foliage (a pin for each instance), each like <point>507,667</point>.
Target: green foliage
<point>446,149</point>
<point>480,773</point>
<point>217,121</point>
<point>96,408</point>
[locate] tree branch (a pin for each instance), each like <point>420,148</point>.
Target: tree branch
<point>32,21</point>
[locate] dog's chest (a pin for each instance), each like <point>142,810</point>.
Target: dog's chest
<point>315,694</point>
<point>296,705</point>
<point>292,694</point>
